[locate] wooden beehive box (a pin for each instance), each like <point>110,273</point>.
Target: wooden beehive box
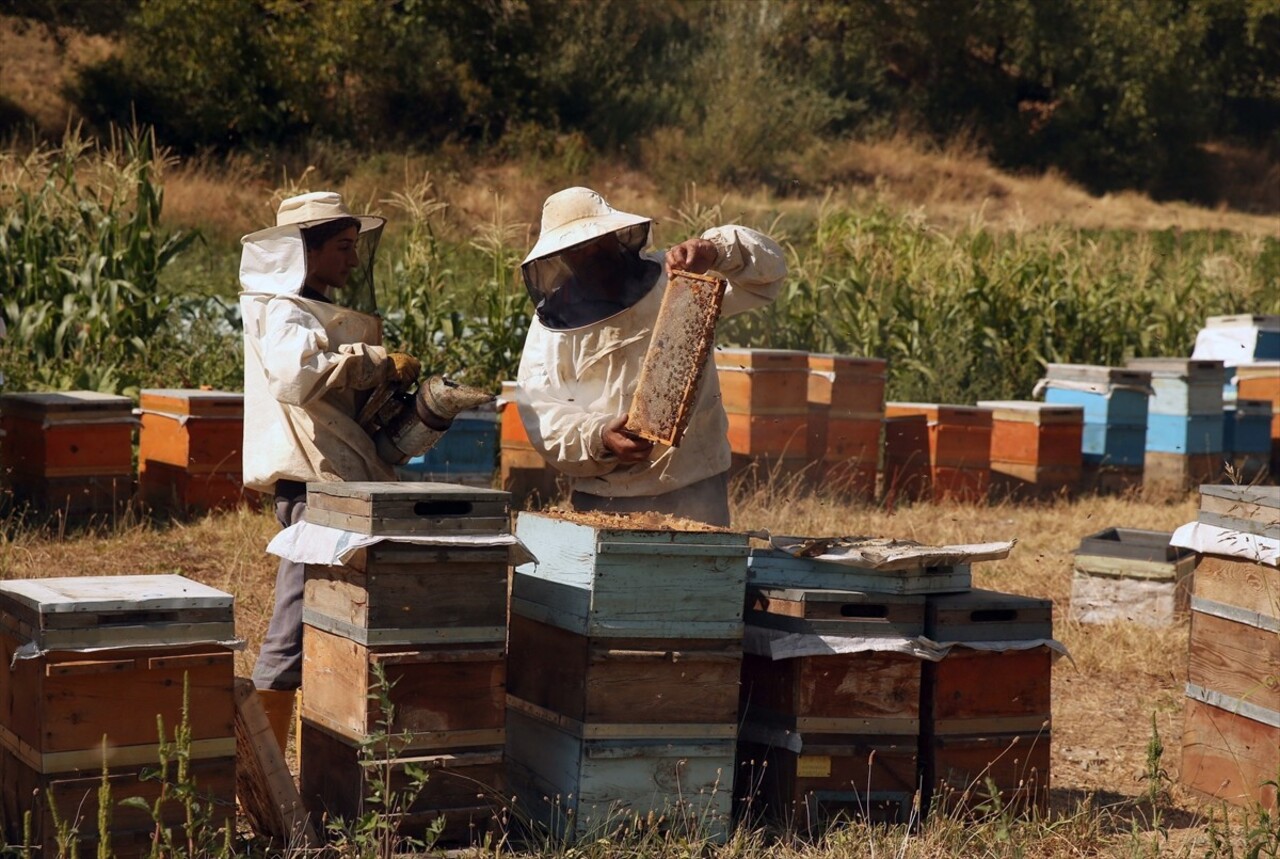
<point>402,593</point>
<point>580,789</point>
<point>1132,575</point>
<point>408,509</point>
<point>465,786</point>
<point>1036,448</point>
<point>835,612</point>
<point>616,684</point>
<point>1182,386</point>
<point>765,396</point>
<point>1248,509</point>
<point>683,336</point>
<point>1231,716</point>
<point>986,713</point>
<point>773,568</point>
<point>603,576</point>
<point>443,697</point>
<point>108,656</point>
<point>907,473</point>
<point>199,431</point>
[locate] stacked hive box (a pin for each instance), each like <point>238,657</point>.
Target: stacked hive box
<point>431,620</point>
<point>828,733</point>
<point>1035,448</point>
<point>959,452</point>
<point>112,656</point>
<point>1231,720</point>
<point>1184,423</point>
<point>765,395</point>
<point>1131,575</point>
<point>523,471</point>
<point>906,459</point>
<point>1261,381</point>
<point>986,707</point>
<point>1115,420</point>
<point>189,449</point>
<point>625,649</point>
<point>1246,439</point>
<point>1235,341</point>
<point>846,409</point>
<point>68,453</point>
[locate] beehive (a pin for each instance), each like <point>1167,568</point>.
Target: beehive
<point>408,509</point>
<point>986,712</point>
<point>421,627</point>
<point>1246,439</point>
<point>189,449</point>
<point>682,338</point>
<point>773,568</point>
<point>1035,448</point>
<point>109,656</point>
<point>1131,575</point>
<point>1231,718</point>
<point>466,454</point>
<point>765,396</point>
<point>1261,381</point>
<point>523,471</point>
<point>846,411</point>
<point>959,439</point>
<point>69,453</point>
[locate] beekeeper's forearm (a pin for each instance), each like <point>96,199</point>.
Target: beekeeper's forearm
<point>753,263</point>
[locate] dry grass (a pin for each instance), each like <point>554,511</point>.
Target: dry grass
<point>35,68</point>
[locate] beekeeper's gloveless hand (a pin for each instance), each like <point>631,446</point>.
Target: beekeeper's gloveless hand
<point>404,367</point>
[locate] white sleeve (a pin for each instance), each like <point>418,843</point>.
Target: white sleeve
<point>299,363</point>
<point>753,263</point>
<point>567,435</point>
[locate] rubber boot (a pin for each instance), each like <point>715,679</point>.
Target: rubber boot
<point>278,704</point>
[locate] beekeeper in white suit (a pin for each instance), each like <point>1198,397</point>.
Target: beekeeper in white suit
<point>596,294</point>
<point>313,354</point>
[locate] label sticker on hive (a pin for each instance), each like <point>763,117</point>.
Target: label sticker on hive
<point>683,336</point>
<point>813,766</point>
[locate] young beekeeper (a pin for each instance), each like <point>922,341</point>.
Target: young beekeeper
<point>313,355</point>
<point>596,294</point>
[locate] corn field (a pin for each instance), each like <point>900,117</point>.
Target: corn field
<point>88,273</point>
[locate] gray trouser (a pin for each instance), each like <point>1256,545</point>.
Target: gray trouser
<point>279,663</point>
<point>705,501</point>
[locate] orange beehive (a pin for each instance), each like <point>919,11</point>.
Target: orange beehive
<point>846,407</point>
<point>189,448</point>
<point>959,448</point>
<point>1035,447</point>
<point>524,473</point>
<point>69,452</point>
<point>907,475</point>
<point>765,396</point>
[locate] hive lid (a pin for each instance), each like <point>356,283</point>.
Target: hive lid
<point>87,405</point>
<point>184,401</point>
<point>1186,368</point>
<point>1097,374</point>
<point>1134,544</point>
<point>72,613</point>
<point>1033,411</point>
<point>847,364</point>
<point>756,360</point>
<point>1264,323</point>
<point>410,508</point>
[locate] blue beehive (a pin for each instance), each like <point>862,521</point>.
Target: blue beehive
<point>1246,427</point>
<point>1186,407</point>
<point>1115,409</point>
<point>467,453</point>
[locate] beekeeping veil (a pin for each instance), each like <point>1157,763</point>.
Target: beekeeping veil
<point>274,260</point>
<point>587,264</point>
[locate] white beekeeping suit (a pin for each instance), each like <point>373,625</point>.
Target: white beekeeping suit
<point>309,364</point>
<point>586,344</point>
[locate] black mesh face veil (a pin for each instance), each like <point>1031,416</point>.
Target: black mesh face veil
<point>587,283</point>
<point>359,293</point>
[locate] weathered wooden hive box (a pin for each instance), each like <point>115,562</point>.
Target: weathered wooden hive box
<point>1131,575</point>
<point>1184,423</point>
<point>1261,381</point>
<point>189,449</point>
<point>429,621</point>
<point>907,474</point>
<point>112,656</point>
<point>1231,717</point>
<point>846,412</point>
<point>69,452</point>
<point>830,734</point>
<point>1114,400</point>
<point>408,509</point>
<point>774,568</point>
<point>985,712</point>
<point>624,670</point>
<point>1035,448</point>
<point>523,471</point>
<point>1246,438</point>
<point>959,448</point>
<point>765,396</point>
